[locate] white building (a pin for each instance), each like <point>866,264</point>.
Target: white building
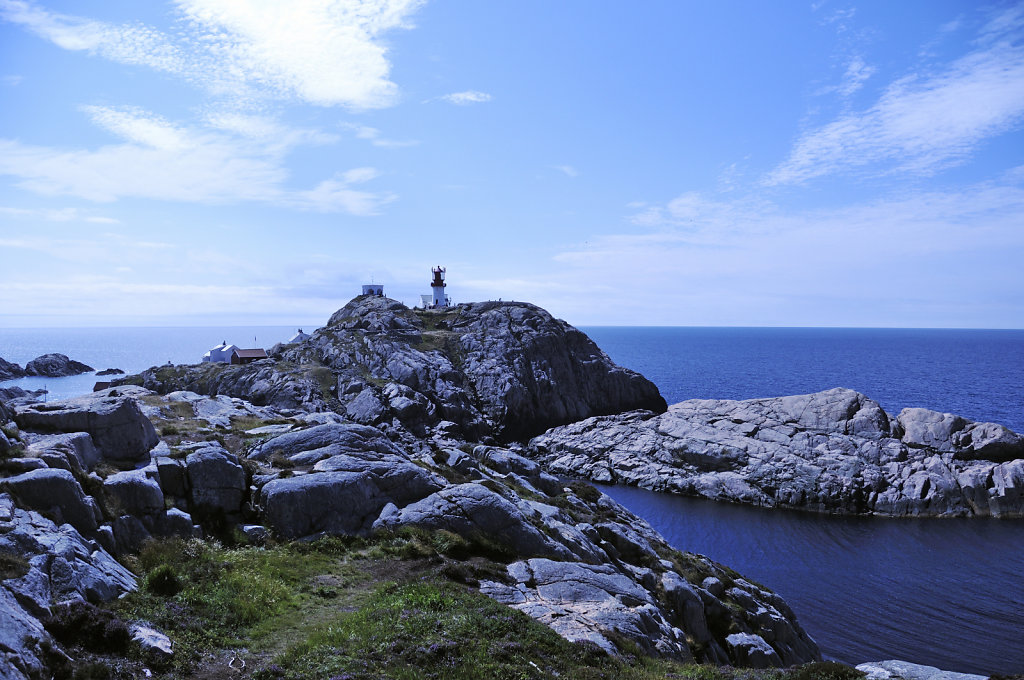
<point>302,337</point>
<point>373,289</point>
<point>221,353</point>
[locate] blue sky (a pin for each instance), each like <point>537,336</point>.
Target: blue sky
<point>819,163</point>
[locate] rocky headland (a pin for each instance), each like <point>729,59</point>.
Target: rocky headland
<point>834,451</point>
<point>150,526</point>
<point>47,366</point>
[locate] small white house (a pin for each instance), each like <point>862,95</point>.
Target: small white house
<point>374,289</point>
<point>221,353</point>
<point>301,337</point>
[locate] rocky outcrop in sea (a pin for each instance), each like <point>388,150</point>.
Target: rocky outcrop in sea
<point>833,451</point>
<point>47,366</point>
<point>56,366</point>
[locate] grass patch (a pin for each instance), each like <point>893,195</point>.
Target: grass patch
<point>12,565</point>
<point>205,596</point>
<point>440,629</point>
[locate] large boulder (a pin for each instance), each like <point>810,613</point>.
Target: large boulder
<point>133,492</point>
<point>55,493</point>
<point>585,602</point>
<point>72,451</point>
<point>116,424</point>
<point>320,442</point>
<point>56,366</point>
<point>832,451</point>
<point>474,510</point>
<point>346,497</point>
<point>216,481</point>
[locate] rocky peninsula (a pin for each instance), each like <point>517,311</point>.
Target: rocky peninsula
<point>364,503</point>
<point>834,451</point>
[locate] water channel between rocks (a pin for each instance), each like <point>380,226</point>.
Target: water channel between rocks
<point>942,592</point>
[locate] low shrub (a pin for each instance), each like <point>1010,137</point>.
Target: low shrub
<point>86,625</point>
<point>825,670</point>
<point>163,581</point>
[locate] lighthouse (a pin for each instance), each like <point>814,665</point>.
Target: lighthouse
<point>437,287</point>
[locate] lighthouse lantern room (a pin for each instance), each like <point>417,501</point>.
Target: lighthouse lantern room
<point>437,287</point>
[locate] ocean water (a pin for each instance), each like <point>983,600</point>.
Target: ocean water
<point>129,349</point>
<point>948,593</point>
<point>941,592</point>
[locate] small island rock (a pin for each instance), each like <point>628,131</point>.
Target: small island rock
<point>55,366</point>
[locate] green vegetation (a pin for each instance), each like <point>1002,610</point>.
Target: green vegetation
<point>396,605</point>
<point>12,565</point>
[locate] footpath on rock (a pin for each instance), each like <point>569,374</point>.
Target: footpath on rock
<point>362,504</point>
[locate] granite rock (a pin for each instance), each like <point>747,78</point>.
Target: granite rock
<point>119,429</point>
<point>832,451</point>
<point>55,366</point>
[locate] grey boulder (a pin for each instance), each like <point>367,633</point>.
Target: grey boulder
<point>55,366</point>
<point>346,497</point>
<point>119,429</point>
<point>473,509</point>
<point>216,481</point>
<point>56,493</point>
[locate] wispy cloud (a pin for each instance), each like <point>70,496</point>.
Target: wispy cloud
<point>11,80</point>
<point>707,261</point>
<point>922,122</point>
<point>567,169</point>
<point>467,97</point>
<point>857,73</point>
<point>55,215</point>
<point>318,51</point>
<point>373,136</point>
<point>161,160</point>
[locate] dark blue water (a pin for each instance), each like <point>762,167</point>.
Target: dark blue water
<point>978,374</point>
<point>947,593</point>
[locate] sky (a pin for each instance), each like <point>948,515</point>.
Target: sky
<point>219,162</point>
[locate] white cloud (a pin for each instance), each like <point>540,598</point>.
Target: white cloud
<point>321,52</point>
<point>467,97</point>
<point>922,122</point>
<point>55,215</point>
<point>129,44</point>
<point>372,135</point>
<point>567,169</point>
<point>857,73</point>
<point>11,80</point>
<point>163,161</point>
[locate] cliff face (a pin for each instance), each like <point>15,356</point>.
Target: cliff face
<point>503,369</point>
<point>833,451</point>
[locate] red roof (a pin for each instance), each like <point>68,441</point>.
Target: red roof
<point>250,353</point>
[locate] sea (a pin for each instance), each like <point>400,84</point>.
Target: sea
<point>940,592</point>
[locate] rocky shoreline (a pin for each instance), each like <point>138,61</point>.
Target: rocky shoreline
<point>835,451</point>
<point>390,421</point>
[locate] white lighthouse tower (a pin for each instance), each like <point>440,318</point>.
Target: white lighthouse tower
<point>437,287</point>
